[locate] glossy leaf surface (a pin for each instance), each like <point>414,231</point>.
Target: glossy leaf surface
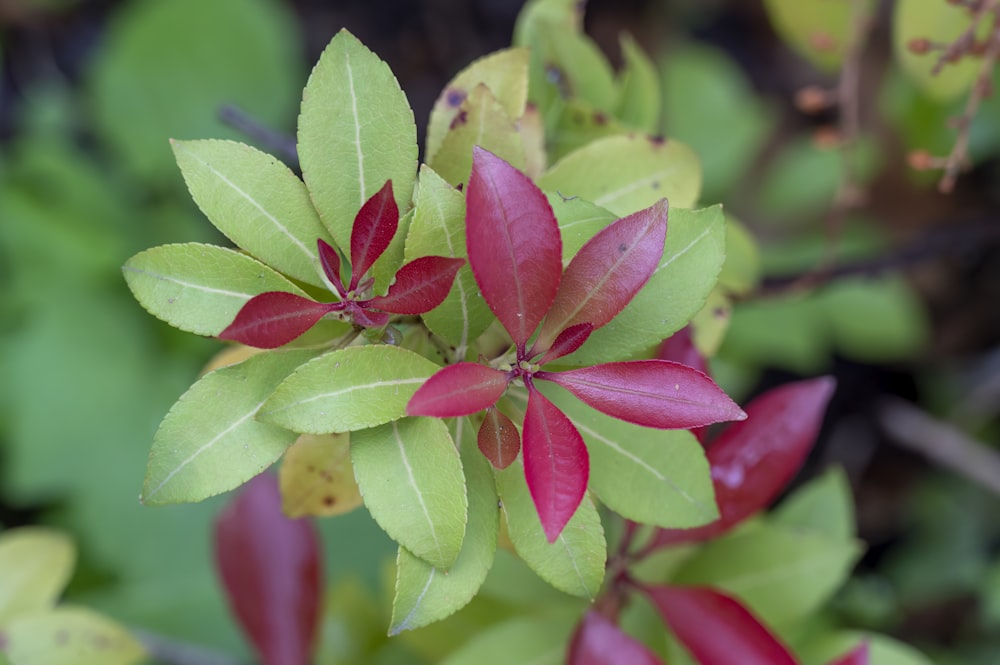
<point>331,263</point>
<point>556,464</point>
<point>274,319</point>
<point>498,439</point>
<point>317,478</point>
<point>651,393</point>
<point>716,629</point>
<point>69,635</point>
<point>411,477</point>
<point>599,641</point>
<point>568,341</point>
<point>272,571</point>
<point>38,562</point>
<point>374,228</point>
<point>420,286</point>
<point>458,390</point>
<point>513,243</point>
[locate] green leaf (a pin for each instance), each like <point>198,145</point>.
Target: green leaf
<point>817,30</point>
<point>144,87</point>
<point>741,270</point>
<point>942,23</point>
<point>199,288</point>
<point>639,89</point>
<point>801,346</point>
<point>852,306</point>
<point>540,15</point>
<point>883,650</point>
<point>779,589</point>
<point>410,476</point>
<point>534,640</point>
<point>356,131</point>
<point>578,123</point>
<point>504,73</point>
<point>210,441</point>
<point>438,228</point>
<point>425,594</point>
<point>823,505</point>
<point>37,563</point>
<point>70,636</point>
<point>658,477</point>
<point>627,173</point>
<point>574,563</point>
<point>481,121</point>
<point>692,258</point>
<point>385,268</point>
<point>348,389</point>
<point>257,202</point>
<point>579,221</point>
<point>582,69</point>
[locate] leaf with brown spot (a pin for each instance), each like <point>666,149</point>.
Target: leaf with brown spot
<point>498,439</point>
<point>317,477</point>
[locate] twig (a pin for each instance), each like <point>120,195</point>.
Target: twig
<point>172,652</point>
<point>940,442</point>
<point>269,139</point>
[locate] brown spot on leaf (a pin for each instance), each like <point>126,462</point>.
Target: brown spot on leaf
<point>719,313</point>
<point>658,140</point>
<point>328,501</point>
<point>655,184</point>
<point>454,97</point>
<point>622,248</point>
<point>459,120</point>
<point>600,118</point>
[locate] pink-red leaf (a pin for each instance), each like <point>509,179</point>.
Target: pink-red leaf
<point>598,641</point>
<point>458,390</point>
<point>652,393</point>
<point>420,286</point>
<point>556,465</point>
<point>498,439</point>
<point>680,348</point>
<point>329,258</point>
<point>513,241</point>
<point>857,656</point>
<point>717,629</point>
<point>567,342</point>
<point>374,228</point>
<point>271,568</point>
<point>608,271</point>
<point>753,461</point>
<point>274,319</point>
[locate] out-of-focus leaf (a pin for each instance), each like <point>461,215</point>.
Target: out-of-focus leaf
<point>69,636</point>
<point>317,477</point>
<point>802,345</point>
<point>716,629</point>
<point>941,23</point>
<point>271,567</point>
<point>356,131</point>
<point>882,650</point>
<point>577,124</point>
<point>199,452</point>
<point>144,88</point>
<point>37,563</point>
<point>857,656</point>
<point>711,322</point>
<point>599,641</point>
<point>626,173</point>
<point>820,31</point>
<point>352,626</point>
<point>539,640</point>
<point>513,243</point>
<point>823,505</point>
<point>741,271</point>
<point>411,478</point>
<point>639,88</point>
<point>875,319</point>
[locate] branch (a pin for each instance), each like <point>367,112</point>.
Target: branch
<point>269,139</point>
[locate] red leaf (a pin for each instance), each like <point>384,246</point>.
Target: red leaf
<point>498,439</point>
<point>556,464</point>
<point>512,237</point>
<point>420,286</point>
<point>857,656</point>
<point>567,342</point>
<point>652,393</point>
<point>271,568</point>
<point>329,258</point>
<point>753,461</point>
<point>608,271</point>
<point>680,348</point>
<point>717,629</point>
<point>366,318</point>
<point>275,318</point>
<point>458,390</point>
<point>374,228</point>
<point>598,641</point>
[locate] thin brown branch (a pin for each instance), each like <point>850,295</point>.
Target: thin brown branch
<point>267,138</point>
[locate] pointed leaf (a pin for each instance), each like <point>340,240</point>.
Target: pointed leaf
<point>356,131</point>
<point>274,319</point>
<point>556,465</point>
<point>568,341</point>
<point>317,477</point>
<point>348,389</point>
<point>374,228</point>
<point>680,348</point>
<point>599,641</point>
<point>199,452</point>
<point>272,570</point>
<point>639,89</point>
<point>255,201</point>
<point>411,478</point>
<point>753,461</point>
<point>69,635</point>
<point>857,656</point>
<point>199,288</point>
<point>458,390</point>
<point>628,172</point>
<point>420,286</point>
<point>716,629</point>
<point>425,594</point>
<point>608,271</point>
<point>513,243</point>
<point>651,393</point>
<point>574,563</point>
<point>330,260</point>
<point>37,563</point>
<point>439,228</point>
<point>498,439</point>
<point>504,73</point>
<point>367,318</point>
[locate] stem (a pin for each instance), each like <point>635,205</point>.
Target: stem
<point>269,139</point>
